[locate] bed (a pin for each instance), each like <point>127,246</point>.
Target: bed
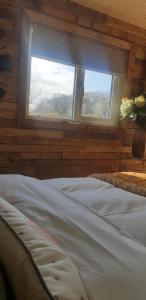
<point>95,227</point>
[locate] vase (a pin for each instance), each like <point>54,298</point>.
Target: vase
<point>138,143</point>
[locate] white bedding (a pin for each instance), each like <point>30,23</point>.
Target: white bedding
<point>102,229</point>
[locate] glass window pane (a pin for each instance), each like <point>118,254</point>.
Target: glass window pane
<point>51,89</point>
<point>97,95</point>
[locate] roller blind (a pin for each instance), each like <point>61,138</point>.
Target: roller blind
<point>70,49</point>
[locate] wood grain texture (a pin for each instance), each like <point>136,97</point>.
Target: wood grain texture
<point>131,11</point>
<point>82,149</point>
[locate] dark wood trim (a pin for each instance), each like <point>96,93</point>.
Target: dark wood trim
<point>24,71</point>
<point>72,127</point>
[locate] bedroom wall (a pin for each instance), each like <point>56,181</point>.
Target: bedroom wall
<point>43,153</point>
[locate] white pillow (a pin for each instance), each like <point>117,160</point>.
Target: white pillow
<point>37,267</point>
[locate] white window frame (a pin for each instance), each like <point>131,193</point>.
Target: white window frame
<point>78,93</point>
<point>115,106</point>
<point>116,89</point>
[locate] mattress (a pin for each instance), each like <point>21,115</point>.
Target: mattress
<point>100,227</point>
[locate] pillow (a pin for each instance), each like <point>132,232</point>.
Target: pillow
<point>36,266</point>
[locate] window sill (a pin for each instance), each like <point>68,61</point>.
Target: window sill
<point>74,129</point>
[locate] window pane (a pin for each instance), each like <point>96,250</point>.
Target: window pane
<point>51,89</point>
<point>97,95</point>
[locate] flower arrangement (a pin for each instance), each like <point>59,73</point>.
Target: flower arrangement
<point>135,110</point>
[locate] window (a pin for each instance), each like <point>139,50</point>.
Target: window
<point>69,77</point>
<point>97,95</point>
<point>61,91</point>
<point>51,89</point>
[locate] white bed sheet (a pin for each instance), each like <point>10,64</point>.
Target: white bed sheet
<point>102,229</point>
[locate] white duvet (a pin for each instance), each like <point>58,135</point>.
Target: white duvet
<point>101,228</point>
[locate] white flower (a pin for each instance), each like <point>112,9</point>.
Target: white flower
<point>125,99</point>
<point>126,107</point>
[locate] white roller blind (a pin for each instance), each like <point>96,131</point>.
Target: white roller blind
<point>67,48</point>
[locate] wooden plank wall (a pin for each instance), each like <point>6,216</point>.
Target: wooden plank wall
<point>46,154</point>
